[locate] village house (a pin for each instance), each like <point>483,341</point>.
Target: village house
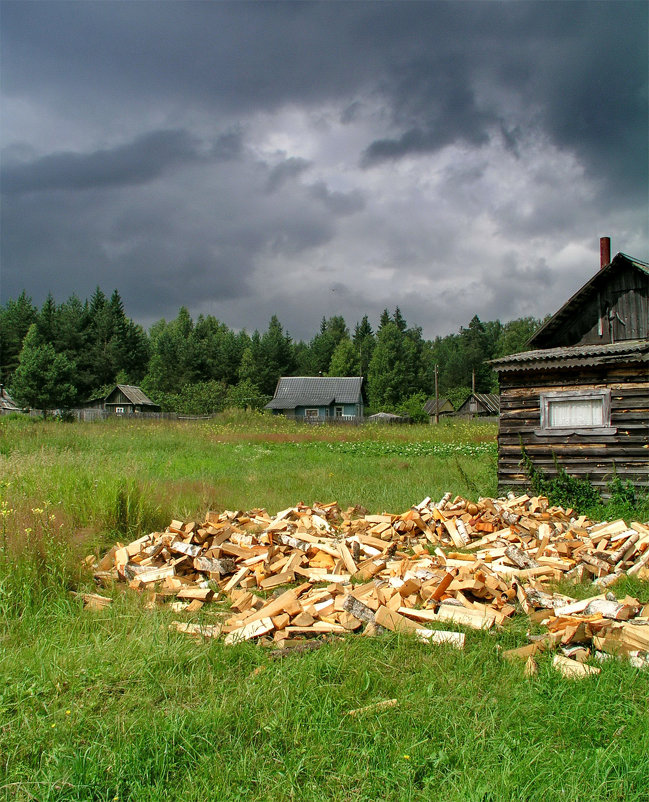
<point>7,404</point>
<point>440,407</point>
<point>123,399</point>
<point>581,394</point>
<point>480,405</point>
<point>318,398</point>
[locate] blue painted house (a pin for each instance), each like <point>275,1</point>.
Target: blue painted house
<point>319,398</point>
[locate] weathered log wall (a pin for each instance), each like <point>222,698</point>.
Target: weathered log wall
<point>596,456</point>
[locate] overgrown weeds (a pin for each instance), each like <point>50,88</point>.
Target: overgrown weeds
<point>624,501</point>
<point>36,562</point>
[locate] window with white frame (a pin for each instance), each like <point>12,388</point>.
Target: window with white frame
<point>311,413</point>
<point>119,410</point>
<point>586,410</point>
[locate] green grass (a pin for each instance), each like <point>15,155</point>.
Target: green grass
<point>116,477</point>
<point>155,716</point>
<point>112,705</point>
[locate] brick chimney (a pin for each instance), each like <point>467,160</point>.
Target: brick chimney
<point>604,252</point>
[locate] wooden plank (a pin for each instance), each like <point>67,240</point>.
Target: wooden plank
<point>454,613</point>
<point>394,621</point>
<point>571,669</point>
<point>253,629</point>
<point>286,603</point>
<point>441,636</point>
<point>277,579</point>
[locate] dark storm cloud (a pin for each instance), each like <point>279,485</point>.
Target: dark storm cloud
<point>442,101</point>
<point>194,103</point>
<point>137,162</point>
<point>578,69</point>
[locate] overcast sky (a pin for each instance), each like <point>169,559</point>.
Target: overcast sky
<point>248,158</point>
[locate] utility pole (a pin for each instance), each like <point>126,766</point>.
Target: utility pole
<point>436,398</point>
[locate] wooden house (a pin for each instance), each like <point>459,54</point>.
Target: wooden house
<point>480,405</point>
<point>7,404</point>
<point>126,399</point>
<point>581,394</point>
<point>318,398</point>
<point>441,407</point>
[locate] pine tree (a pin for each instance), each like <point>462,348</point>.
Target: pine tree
<point>399,319</point>
<point>364,341</point>
<point>43,379</point>
<point>275,356</point>
<point>384,320</point>
<point>323,345</point>
<point>15,320</point>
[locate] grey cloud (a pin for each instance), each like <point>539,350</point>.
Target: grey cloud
<point>137,162</point>
<point>299,234</point>
<point>285,171</point>
<point>339,203</point>
<point>228,146</point>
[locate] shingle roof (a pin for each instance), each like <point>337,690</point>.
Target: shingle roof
<point>317,391</point>
<point>134,394</point>
<point>429,406</point>
<point>575,356</point>
<point>490,401</point>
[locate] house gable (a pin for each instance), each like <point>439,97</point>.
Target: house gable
<point>130,399</point>
<point>611,307</point>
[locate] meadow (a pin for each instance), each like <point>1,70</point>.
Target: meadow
<point>111,705</point>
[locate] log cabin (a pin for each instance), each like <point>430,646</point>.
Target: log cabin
<point>580,395</point>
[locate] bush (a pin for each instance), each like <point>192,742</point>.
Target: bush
<point>569,491</point>
<point>413,408</point>
<point>563,490</point>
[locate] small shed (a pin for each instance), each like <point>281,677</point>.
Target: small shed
<point>386,417</point>
<point>7,404</point>
<point>439,407</point>
<point>581,394</point>
<point>318,398</point>
<point>480,405</point>
<point>126,399</point>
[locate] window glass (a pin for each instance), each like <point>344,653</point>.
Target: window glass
<point>584,412</point>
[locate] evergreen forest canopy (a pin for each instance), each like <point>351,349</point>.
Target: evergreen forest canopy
<point>62,354</point>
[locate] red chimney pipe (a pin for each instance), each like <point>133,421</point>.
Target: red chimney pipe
<point>604,252</point>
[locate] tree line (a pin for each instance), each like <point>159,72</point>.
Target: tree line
<point>60,355</point>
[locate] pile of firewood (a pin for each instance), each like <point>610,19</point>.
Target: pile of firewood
<point>317,570</point>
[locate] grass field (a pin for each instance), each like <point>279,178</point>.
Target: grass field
<point>111,705</point>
